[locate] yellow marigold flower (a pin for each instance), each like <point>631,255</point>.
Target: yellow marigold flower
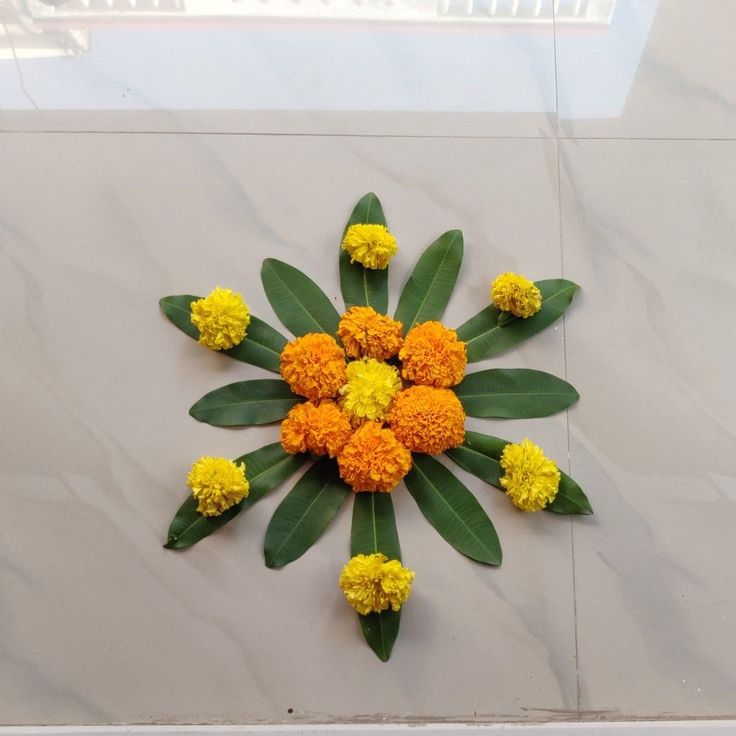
<point>427,419</point>
<point>373,459</point>
<point>370,389</point>
<point>222,318</point>
<point>531,480</point>
<point>320,429</point>
<point>433,356</point>
<point>367,334</point>
<point>372,246</point>
<point>513,293</point>
<point>217,483</point>
<point>314,366</point>
<point>372,583</point>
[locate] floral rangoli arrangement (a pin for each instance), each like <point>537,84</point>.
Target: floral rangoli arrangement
<point>368,400</point>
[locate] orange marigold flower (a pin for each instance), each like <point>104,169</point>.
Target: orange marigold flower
<point>314,366</point>
<point>427,419</point>
<point>321,429</point>
<point>367,334</point>
<point>433,356</point>
<point>373,459</point>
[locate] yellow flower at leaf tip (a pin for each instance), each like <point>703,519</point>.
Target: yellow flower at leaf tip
<point>513,293</point>
<point>314,366</point>
<point>531,480</point>
<point>367,334</point>
<point>372,246</point>
<point>373,459</point>
<point>372,583</point>
<point>217,483</point>
<point>370,389</point>
<point>320,429</point>
<point>427,419</point>
<point>433,356</point>
<point>222,318</point>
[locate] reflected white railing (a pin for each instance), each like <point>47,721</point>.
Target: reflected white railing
<point>395,11</point>
<point>58,28</point>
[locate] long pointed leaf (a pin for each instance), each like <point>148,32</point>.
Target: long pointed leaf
<point>374,530</point>
<point>480,455</point>
<point>365,287</point>
<point>453,510</point>
<point>262,345</point>
<point>380,631</point>
<point>514,393</point>
<point>246,403</point>
<point>484,337</point>
<point>299,303</point>
<point>374,526</point>
<point>264,469</point>
<point>304,514</point>
<point>429,288</point>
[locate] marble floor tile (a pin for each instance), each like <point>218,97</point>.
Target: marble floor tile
<point>406,67</point>
<point>657,69</point>
<point>647,230</point>
<point>99,624</point>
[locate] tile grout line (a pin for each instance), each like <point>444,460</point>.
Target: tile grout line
<point>296,134</point>
<point>564,354</point>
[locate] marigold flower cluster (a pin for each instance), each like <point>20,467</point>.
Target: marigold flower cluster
<point>373,583</point>
<point>321,429</point>
<point>433,356</point>
<point>513,293</point>
<point>217,483</point>
<point>222,319</point>
<point>373,246</point>
<point>427,419</point>
<point>367,334</point>
<point>370,389</point>
<point>373,459</point>
<point>530,478</point>
<point>369,393</point>
<point>314,366</point>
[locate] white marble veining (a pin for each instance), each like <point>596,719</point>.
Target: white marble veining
<point>145,155</point>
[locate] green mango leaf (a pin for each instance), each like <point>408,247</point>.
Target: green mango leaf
<point>299,303</point>
<point>262,345</point>
<point>570,498</point>
<point>264,469</point>
<point>480,455</point>
<point>374,526</point>
<point>305,513</point>
<point>514,393</point>
<point>453,510</point>
<point>364,287</point>
<point>374,530</point>
<point>485,337</point>
<point>380,631</point>
<point>246,403</point>
<point>429,288</point>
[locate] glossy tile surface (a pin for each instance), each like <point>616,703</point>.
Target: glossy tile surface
<point>417,67</point>
<point>646,229</point>
<point>163,147</point>
<point>660,69</point>
<point>100,624</point>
